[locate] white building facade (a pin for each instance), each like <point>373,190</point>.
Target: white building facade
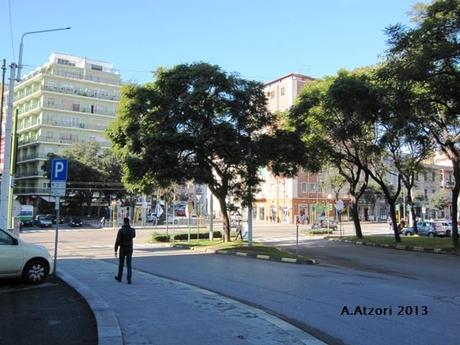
<point>67,101</point>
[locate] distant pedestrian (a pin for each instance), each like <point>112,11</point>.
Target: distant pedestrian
<point>125,241</point>
<point>102,221</point>
<point>390,223</point>
<point>239,231</point>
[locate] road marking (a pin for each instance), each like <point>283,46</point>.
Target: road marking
<point>44,285</point>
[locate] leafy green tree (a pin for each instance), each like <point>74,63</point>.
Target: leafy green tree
<point>195,122</point>
<point>92,170</point>
<point>336,134</point>
<point>425,58</point>
<point>439,200</point>
<point>407,146</point>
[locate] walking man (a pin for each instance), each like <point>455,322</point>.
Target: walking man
<point>125,241</point>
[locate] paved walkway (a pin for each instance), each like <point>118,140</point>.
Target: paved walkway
<point>155,310</point>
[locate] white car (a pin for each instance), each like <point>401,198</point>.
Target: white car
<point>30,261</point>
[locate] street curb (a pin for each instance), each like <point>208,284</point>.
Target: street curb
<point>108,327</point>
<point>269,258</point>
<point>250,255</point>
<point>398,247</point>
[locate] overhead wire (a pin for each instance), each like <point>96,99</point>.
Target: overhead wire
<point>11,29</point>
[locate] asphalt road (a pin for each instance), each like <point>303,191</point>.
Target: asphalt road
<point>421,291</point>
<point>49,313</point>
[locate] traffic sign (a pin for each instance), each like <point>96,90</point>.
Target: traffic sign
<point>58,188</point>
<point>59,170</point>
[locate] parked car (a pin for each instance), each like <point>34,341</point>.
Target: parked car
<point>75,222</point>
<point>21,259</point>
<point>52,217</point>
<point>447,224</point>
<point>431,229</point>
<point>43,221</point>
<point>26,215</point>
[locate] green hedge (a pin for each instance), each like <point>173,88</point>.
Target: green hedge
<point>184,236</point>
<point>319,231</point>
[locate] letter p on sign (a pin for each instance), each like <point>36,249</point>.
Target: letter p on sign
<point>59,170</point>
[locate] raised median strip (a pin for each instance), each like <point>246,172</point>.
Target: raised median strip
<point>269,258</point>
<point>416,248</point>
<point>241,249</point>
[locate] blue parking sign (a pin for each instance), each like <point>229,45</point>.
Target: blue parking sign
<point>59,169</point>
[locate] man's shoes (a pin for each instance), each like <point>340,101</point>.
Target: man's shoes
<point>129,281</point>
<point>117,279</point>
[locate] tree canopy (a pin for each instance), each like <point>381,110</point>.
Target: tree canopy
<point>425,60</point>
<point>195,122</point>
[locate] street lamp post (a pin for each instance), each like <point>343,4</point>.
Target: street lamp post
<point>6,175</point>
<point>21,45</point>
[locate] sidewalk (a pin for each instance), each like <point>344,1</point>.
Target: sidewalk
<point>155,310</point>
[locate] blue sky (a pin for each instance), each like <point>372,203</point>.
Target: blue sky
<point>259,39</point>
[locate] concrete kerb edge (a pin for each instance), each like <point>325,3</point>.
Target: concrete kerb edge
<point>257,256</point>
<point>397,247</point>
<point>108,327</point>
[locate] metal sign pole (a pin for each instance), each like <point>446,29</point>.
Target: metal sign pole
<point>297,235</point>
<point>58,199</point>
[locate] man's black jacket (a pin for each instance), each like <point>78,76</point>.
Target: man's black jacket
<point>125,238</point>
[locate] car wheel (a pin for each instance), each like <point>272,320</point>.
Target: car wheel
<point>431,234</point>
<point>406,233</point>
<point>35,271</point>
<point>448,233</point>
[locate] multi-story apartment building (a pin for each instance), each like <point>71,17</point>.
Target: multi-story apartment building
<point>67,101</point>
<point>437,175</point>
<point>282,92</point>
<point>282,199</point>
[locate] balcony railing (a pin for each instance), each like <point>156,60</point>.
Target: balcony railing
<point>29,174</point>
<point>27,141</point>
<point>82,109</point>
<point>53,140</point>
<point>25,109</point>
<point>31,190</point>
<point>89,77</point>
<point>28,125</point>
<point>31,156</point>
<point>26,92</point>
<point>98,127</point>
<point>80,92</point>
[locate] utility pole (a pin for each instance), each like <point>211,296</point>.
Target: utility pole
<point>1,100</point>
<point>6,174</point>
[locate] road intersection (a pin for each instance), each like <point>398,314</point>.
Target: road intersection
<point>310,297</point>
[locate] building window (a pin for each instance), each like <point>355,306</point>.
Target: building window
<point>425,176</point>
<point>75,107</point>
<point>283,91</point>
<point>425,194</point>
<point>433,176</point>
<point>96,67</point>
<point>272,94</point>
<point>416,177</point>
<point>303,187</point>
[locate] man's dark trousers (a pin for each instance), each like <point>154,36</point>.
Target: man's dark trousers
<point>128,254</point>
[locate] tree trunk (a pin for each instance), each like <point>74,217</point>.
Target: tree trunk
<point>225,219</point>
<point>455,193</point>
<point>413,217</point>
<point>394,223</point>
<point>355,215</point>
